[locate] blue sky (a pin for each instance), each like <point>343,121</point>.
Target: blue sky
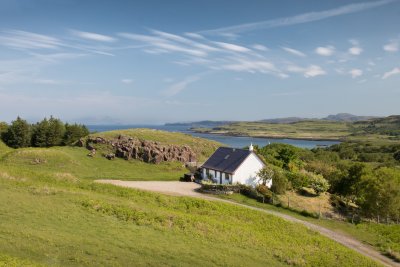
<point>99,61</point>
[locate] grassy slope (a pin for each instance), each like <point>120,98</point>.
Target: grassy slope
<point>73,162</point>
<point>52,222</point>
<point>382,237</point>
<point>50,207</point>
<point>303,130</point>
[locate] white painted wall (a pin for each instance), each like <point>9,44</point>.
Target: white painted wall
<point>247,172</point>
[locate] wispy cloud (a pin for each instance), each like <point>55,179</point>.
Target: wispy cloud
<point>325,51</point>
<point>356,48</point>
<point>181,85</point>
<point>126,81</point>
<point>28,40</point>
<point>355,73</point>
<point>253,66</point>
<point>294,52</point>
<point>260,47</point>
<point>93,36</point>
<point>393,46</point>
<point>162,43</point>
<point>395,71</point>
<point>298,19</point>
<point>308,72</point>
<point>233,47</point>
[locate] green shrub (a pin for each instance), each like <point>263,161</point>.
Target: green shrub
<point>318,183</point>
<point>280,183</point>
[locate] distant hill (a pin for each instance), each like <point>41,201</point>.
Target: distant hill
<point>286,120</point>
<point>385,126</point>
<point>342,117</point>
<point>348,117</point>
<point>200,124</point>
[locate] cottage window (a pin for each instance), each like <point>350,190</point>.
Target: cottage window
<point>226,176</point>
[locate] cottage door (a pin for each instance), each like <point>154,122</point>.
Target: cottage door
<point>220,177</point>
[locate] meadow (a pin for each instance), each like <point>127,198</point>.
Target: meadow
<point>53,214</point>
<point>322,130</point>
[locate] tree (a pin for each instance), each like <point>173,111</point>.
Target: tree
<point>3,127</point>
<point>266,175</point>
<point>280,183</point>
<point>39,133</point>
<point>55,132</point>
<point>381,193</point>
<point>73,132</point>
<point>286,155</point>
<point>349,185</point>
<point>18,134</point>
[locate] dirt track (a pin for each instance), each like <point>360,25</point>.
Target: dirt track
<point>188,189</point>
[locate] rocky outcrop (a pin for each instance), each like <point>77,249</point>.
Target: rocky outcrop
<point>147,151</point>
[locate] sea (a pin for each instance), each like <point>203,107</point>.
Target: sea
<point>231,141</point>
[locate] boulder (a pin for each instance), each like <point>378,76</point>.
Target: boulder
<point>144,150</point>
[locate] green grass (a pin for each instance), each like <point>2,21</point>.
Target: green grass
<point>300,130</point>
<point>52,214</point>
<point>73,162</point>
<point>381,236</point>
<point>312,129</point>
<point>52,222</point>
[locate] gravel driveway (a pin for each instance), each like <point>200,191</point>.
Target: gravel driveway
<point>188,189</point>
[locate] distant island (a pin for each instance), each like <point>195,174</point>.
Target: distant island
<point>338,127</point>
<point>340,117</point>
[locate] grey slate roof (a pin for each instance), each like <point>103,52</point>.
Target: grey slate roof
<point>226,159</point>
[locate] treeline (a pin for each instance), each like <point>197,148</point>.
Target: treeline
<point>363,178</point>
<point>46,133</point>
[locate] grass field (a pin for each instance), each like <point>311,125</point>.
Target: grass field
<point>326,130</point>
<point>311,130</point>
<point>383,237</point>
<point>52,214</point>
<point>84,224</point>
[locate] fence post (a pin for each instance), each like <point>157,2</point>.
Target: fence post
<point>319,209</point>
<point>288,201</point>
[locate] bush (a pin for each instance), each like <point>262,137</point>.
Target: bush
<point>280,183</point>
<point>318,183</point>
<point>209,186</point>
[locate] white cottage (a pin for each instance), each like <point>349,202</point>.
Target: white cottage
<point>233,165</point>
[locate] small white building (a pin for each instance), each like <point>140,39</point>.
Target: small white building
<point>233,165</point>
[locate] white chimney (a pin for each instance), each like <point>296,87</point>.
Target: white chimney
<point>251,148</point>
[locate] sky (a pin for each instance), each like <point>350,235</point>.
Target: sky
<point>151,62</point>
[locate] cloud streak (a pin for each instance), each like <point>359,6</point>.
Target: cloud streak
<point>395,71</point>
<point>93,36</point>
<point>294,52</point>
<point>298,19</point>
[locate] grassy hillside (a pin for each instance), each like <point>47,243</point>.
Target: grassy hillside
<point>301,130</point>
<point>382,236</point>
<point>73,162</point>
<point>49,221</point>
<point>53,214</point>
